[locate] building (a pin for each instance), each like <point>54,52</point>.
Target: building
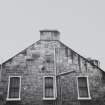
<point>50,73</point>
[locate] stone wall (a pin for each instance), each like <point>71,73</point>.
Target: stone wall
<point>50,58</point>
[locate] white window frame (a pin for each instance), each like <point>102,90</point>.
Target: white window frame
<point>84,98</point>
<point>54,88</point>
<point>13,99</point>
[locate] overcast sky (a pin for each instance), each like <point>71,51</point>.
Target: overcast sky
<point>80,22</point>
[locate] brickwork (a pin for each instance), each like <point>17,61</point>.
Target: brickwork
<point>52,58</point>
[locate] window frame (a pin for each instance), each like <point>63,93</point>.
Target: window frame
<point>54,88</point>
<point>13,99</point>
<point>84,98</point>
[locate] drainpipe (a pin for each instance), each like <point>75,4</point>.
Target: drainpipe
<point>55,69</point>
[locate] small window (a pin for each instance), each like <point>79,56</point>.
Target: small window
<point>49,89</point>
<point>14,86</point>
<point>83,88</point>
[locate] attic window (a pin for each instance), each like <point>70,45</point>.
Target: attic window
<point>49,88</point>
<point>83,88</point>
<point>14,87</point>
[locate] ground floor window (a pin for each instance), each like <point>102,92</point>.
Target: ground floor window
<point>83,88</point>
<point>14,88</point>
<point>49,88</point>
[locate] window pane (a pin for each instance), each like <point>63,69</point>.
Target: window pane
<point>14,82</point>
<point>14,87</point>
<point>82,82</point>
<point>49,93</point>
<point>83,92</point>
<point>14,93</point>
<point>49,82</point>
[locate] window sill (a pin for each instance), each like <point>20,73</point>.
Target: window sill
<point>13,99</point>
<point>49,98</point>
<point>88,98</point>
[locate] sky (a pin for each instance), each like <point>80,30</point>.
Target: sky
<point>80,22</point>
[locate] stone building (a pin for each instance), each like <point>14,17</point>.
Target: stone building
<point>50,73</point>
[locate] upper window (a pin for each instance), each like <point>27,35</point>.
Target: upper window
<point>83,88</point>
<point>14,86</point>
<point>49,89</point>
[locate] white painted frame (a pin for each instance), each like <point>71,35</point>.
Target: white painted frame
<point>54,89</point>
<point>13,99</point>
<point>84,98</point>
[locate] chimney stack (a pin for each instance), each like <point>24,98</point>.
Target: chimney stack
<point>49,35</point>
<point>94,61</point>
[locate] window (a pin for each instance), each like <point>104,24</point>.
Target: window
<point>83,88</point>
<point>49,88</point>
<point>14,87</point>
